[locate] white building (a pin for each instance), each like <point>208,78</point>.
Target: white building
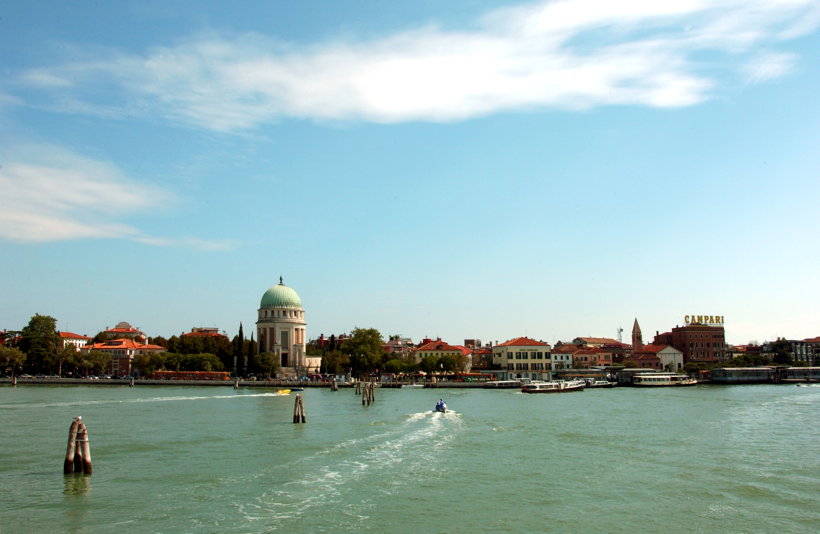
<point>523,357</point>
<point>75,340</point>
<point>281,330</point>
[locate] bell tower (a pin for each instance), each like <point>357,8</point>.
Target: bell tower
<point>637,338</point>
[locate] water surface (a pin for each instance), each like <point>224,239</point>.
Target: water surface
<point>208,459</point>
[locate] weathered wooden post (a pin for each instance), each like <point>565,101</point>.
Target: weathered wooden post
<point>334,386</point>
<point>131,382</point>
<point>78,450</point>
<point>236,384</point>
<point>71,449</point>
<point>358,388</point>
<point>299,415</point>
<point>84,447</point>
<point>368,395</point>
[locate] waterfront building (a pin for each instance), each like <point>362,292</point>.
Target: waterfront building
<point>798,350</point>
<point>439,348</point>
<point>482,358</point>
<point>75,340</point>
<point>645,360</point>
<point>815,348</point>
<point>697,341</point>
<point>663,357</point>
<point>281,330</point>
<point>561,356</point>
<point>523,357</point>
<point>399,347</point>
<point>595,341</point>
<point>122,353</point>
<point>586,357</point>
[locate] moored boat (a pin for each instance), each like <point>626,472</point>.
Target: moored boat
<point>662,379</point>
<point>595,383</point>
<point>554,386</point>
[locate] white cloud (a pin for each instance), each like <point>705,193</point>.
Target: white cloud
<point>52,194</point>
<point>769,66</point>
<point>565,54</point>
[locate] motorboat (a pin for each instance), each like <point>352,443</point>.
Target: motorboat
<point>283,391</point>
<point>554,386</point>
<point>412,386</point>
<point>441,406</point>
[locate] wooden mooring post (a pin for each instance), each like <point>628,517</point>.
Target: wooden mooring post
<point>334,386</point>
<point>78,451</point>
<point>358,388</point>
<point>368,395</point>
<point>299,415</point>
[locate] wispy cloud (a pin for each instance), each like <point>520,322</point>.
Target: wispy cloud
<point>53,194</point>
<point>565,54</point>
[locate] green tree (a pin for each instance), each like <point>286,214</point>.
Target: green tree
<point>430,364</point>
<point>782,352</point>
<point>365,348</point>
<point>335,362</point>
<point>40,341</point>
<point>146,364</point>
<point>267,363</point>
<point>55,361</point>
<point>11,360</point>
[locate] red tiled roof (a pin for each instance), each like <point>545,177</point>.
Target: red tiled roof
<point>812,340</point>
<point>203,334</point>
<point>123,344</point>
<point>600,340</point>
<point>70,335</point>
<point>565,349</point>
<point>522,342</point>
<point>442,346</point>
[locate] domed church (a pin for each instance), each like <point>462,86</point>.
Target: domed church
<point>280,329</point>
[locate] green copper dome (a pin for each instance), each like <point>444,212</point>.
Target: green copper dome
<point>280,296</point>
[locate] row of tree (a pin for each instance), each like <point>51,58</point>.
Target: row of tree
<point>363,353</point>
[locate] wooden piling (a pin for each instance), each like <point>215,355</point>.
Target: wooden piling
<point>78,450</point>
<point>236,384</point>
<point>368,394</point>
<point>334,386</point>
<point>71,449</point>
<point>131,382</point>
<point>84,446</point>
<point>299,415</point>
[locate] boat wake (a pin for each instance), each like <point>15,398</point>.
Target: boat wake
<point>370,468</point>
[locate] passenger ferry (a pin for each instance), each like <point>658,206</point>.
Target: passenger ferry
<point>555,386</point>
<point>662,379</point>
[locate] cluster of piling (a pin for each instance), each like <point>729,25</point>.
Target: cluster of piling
<point>299,415</point>
<point>78,452</point>
<point>368,393</point>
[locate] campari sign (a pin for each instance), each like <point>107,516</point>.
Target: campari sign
<point>709,320</point>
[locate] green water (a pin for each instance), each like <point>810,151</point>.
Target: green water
<point>211,459</point>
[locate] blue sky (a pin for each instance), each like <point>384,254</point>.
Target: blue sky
<point>460,169</point>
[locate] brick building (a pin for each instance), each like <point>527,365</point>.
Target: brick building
<point>697,342</point>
